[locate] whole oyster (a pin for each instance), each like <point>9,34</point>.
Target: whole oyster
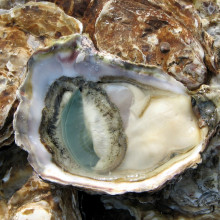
<point>74,8</point>
<point>162,33</point>
<point>92,120</point>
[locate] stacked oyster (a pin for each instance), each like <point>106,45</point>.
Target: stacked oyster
<point>127,111</point>
<point>23,31</point>
<point>25,196</point>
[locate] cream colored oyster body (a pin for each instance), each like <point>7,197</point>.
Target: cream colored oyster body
<point>91,120</point>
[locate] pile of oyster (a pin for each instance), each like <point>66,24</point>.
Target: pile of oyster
<point>111,103</point>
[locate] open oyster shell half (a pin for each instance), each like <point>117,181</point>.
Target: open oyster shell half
<point>92,120</point>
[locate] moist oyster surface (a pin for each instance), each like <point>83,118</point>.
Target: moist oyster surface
<point>28,27</point>
<point>82,96</point>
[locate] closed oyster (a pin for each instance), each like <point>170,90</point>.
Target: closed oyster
<point>92,120</point>
<point>23,30</point>
<point>209,11</point>
<point>163,33</point>
<point>74,8</point>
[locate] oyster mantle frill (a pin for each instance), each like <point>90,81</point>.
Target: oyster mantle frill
<point>92,120</point>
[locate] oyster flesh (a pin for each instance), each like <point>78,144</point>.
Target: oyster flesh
<point>92,120</point>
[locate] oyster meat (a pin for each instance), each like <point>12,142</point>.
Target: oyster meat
<point>193,195</point>
<point>92,120</point>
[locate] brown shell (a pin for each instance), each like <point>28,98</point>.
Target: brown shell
<point>58,202</point>
<point>7,131</point>
<point>74,8</point>
<point>23,192</point>
<point>43,20</point>
<point>124,28</point>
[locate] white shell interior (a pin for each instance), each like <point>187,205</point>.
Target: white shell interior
<point>157,124</point>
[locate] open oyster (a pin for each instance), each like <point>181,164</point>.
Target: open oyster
<point>92,120</point>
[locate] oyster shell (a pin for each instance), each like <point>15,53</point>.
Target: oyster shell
<point>25,196</point>
<point>38,199</point>
<point>15,170</point>
<point>163,33</point>
<point>74,8</point>
<point>92,120</point>
<point>25,29</point>
<point>209,11</point>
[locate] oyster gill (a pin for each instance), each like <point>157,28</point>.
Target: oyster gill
<point>92,120</point>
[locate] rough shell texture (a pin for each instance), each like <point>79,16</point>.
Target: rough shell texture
<point>41,19</point>
<point>187,201</point>
<point>37,199</point>
<point>74,8</point>
<point>209,11</point>
<point>24,195</point>
<point>7,131</point>
<point>24,30</point>
<point>148,32</point>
